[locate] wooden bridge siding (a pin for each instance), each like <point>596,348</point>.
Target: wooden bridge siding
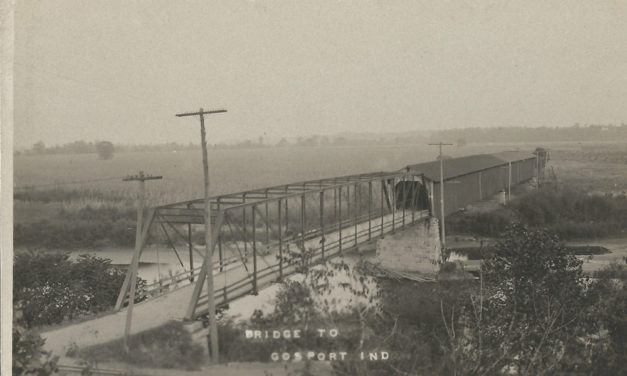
<point>463,190</point>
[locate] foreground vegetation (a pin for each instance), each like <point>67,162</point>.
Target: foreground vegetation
<point>50,288</point>
<point>531,312</point>
<point>168,346</point>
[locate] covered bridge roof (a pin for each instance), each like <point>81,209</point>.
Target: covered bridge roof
<point>454,167</point>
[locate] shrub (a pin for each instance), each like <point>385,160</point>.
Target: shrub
<point>484,224</point>
<point>51,288</point>
<point>29,358</point>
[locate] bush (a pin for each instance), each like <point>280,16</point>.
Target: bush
<point>484,224</point>
<point>51,288</point>
<point>29,358</point>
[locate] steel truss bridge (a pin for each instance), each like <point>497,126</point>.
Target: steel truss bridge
<point>254,232</point>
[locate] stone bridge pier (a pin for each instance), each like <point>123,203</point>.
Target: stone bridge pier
<point>416,249</point>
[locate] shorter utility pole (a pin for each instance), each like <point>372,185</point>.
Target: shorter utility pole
<point>141,178</point>
<point>442,226</point>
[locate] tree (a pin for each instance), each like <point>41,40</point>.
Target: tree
<point>282,142</point>
<point>104,149</point>
<point>39,147</point>
<point>530,312</point>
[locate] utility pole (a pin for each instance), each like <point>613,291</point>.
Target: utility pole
<point>141,178</point>
<point>442,226</point>
<point>213,325</point>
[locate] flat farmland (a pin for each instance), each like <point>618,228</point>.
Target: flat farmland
<point>230,169</point>
<point>595,168</point>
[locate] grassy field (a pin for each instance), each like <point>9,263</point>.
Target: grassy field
<point>230,169</point>
<point>70,201</point>
<point>599,168</point>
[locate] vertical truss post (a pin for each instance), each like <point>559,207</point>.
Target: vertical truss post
<point>355,211</point>
<point>404,202</point>
<point>280,243</point>
<point>393,190</point>
<point>287,214</point>
<point>424,186</point>
<point>348,202</point>
<point>335,203</point>
<point>382,207</point>
<point>414,197</point>
<point>220,254</point>
<point>302,221</point>
<point>370,210</point>
<point>267,222</point>
<point>323,240</point>
<point>432,198</point>
<point>190,248</point>
<point>245,231</point>
<point>255,291</point>
<point>339,218</point>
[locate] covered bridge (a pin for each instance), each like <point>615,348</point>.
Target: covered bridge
<point>469,179</point>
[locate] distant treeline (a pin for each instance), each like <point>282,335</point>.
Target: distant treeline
<point>541,134</point>
<point>460,136</point>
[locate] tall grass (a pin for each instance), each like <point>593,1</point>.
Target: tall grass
<point>568,212</point>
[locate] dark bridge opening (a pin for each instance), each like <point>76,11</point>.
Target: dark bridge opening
<point>411,195</point>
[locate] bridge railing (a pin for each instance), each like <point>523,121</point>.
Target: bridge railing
<point>250,284</point>
<point>183,278</point>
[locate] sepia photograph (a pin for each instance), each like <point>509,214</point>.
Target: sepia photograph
<point>299,187</point>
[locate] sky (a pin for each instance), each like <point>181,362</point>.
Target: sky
<point>120,70</point>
